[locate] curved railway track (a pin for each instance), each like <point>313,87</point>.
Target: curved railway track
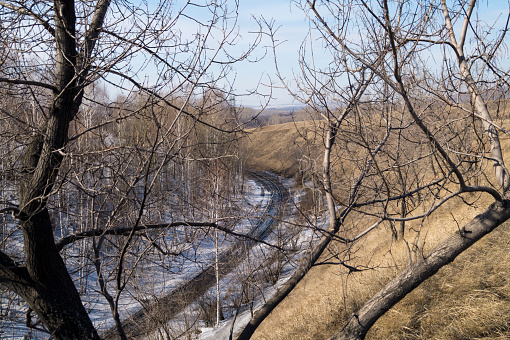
<point>160,311</point>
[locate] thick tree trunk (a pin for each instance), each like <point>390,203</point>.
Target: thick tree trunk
<point>44,282</point>
<point>416,273</point>
<point>52,294</point>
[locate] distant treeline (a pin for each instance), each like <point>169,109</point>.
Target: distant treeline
<point>254,118</point>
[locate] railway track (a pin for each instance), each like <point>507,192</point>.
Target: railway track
<point>160,311</point>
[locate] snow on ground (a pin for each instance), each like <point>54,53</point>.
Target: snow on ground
<point>160,278</point>
<point>303,240</point>
<point>223,331</point>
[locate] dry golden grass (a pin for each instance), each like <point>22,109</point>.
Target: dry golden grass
<point>276,148</point>
<point>457,303</point>
<point>468,299</point>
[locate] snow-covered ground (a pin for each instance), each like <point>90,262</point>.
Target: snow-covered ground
<point>223,330</point>
<point>157,276</point>
<point>232,284</point>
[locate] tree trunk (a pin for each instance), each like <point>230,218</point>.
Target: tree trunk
<point>416,273</point>
<point>44,282</point>
<point>52,294</point>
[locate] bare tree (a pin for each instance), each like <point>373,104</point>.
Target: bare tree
<point>406,111</point>
<point>69,139</point>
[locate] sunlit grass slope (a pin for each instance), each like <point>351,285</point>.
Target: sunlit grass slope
<point>277,148</point>
<point>468,299</point>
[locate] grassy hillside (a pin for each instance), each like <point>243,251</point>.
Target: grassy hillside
<point>468,299</point>
<point>277,148</point>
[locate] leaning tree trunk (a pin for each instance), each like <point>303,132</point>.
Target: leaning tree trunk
<point>43,280</point>
<point>416,273</point>
<point>46,285</point>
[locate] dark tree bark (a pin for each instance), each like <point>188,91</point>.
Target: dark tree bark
<point>44,281</point>
<point>61,38</point>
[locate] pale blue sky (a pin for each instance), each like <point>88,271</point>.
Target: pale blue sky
<point>292,30</point>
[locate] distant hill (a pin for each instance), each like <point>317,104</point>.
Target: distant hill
<point>277,148</point>
<point>255,117</point>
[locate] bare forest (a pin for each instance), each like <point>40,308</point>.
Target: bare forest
<point>138,200</point>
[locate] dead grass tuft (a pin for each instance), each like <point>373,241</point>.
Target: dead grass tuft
<point>468,299</point>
